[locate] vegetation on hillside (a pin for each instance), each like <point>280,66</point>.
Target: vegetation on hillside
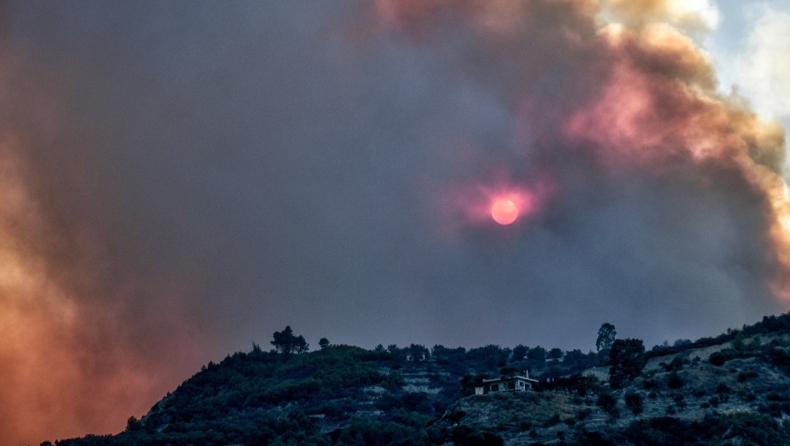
<point>345,395</point>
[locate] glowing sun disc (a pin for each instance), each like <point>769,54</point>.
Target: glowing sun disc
<point>504,211</point>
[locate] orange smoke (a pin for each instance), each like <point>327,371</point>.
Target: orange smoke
<point>51,381</point>
<point>70,366</point>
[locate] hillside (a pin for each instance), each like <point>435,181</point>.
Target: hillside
<point>731,389</point>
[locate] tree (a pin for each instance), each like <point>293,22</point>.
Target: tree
<point>133,424</point>
<point>286,342</point>
<point>554,353</point>
<point>627,357</point>
<point>520,352</point>
<point>606,336</point>
<point>323,343</point>
<point>537,354</point>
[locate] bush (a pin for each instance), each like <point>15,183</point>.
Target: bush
<point>592,439</point>
<point>751,428</point>
<point>717,359</point>
<point>467,436</point>
<point>674,381</point>
<point>553,421</point>
<point>634,402</point>
<point>650,384</point>
<point>676,364</point>
<point>393,382</point>
<point>608,403</point>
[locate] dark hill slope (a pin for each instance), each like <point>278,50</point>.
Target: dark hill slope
<point>732,389</point>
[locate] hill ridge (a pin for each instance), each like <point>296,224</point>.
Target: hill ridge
<point>731,388</point>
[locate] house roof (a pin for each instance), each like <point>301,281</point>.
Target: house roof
<point>509,378</point>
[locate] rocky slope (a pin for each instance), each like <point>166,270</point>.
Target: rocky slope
<point>686,390</point>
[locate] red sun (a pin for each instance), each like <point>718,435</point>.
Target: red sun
<point>504,211</point>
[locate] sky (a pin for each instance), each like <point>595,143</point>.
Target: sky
<point>179,180</point>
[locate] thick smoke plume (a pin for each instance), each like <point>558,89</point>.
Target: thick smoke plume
<point>179,179</point>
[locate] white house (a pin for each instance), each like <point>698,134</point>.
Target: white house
<point>517,383</point>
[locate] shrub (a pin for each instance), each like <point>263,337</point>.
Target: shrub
<point>467,436</point>
<point>553,421</point>
<point>608,403</point>
<point>592,439</point>
<point>650,384</point>
<point>393,382</point>
<point>676,364</point>
<point>634,402</point>
<point>674,381</point>
<point>751,428</point>
<point>717,359</point>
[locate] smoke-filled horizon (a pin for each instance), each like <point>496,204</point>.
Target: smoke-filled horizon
<point>182,179</point>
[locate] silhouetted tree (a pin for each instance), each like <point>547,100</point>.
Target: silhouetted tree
<point>606,336</point>
<point>537,354</point>
<point>554,353</point>
<point>286,342</point>
<point>133,424</point>
<point>519,352</point>
<point>323,343</point>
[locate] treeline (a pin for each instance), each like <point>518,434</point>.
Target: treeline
<point>774,325</point>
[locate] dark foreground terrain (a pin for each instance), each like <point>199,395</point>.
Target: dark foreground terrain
<point>730,390</point>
